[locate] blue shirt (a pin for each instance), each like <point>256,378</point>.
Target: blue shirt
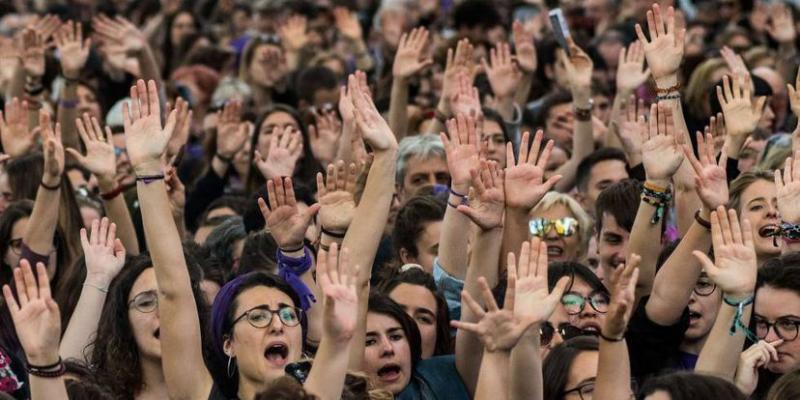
<point>435,379</point>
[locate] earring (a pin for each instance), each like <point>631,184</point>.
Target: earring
<point>231,371</point>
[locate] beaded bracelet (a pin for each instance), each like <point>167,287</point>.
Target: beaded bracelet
<point>47,371</point>
<point>675,96</point>
<point>657,199</point>
<point>673,88</point>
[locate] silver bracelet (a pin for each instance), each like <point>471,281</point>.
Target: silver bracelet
<point>102,289</point>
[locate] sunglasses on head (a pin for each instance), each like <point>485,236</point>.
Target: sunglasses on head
<point>564,227</point>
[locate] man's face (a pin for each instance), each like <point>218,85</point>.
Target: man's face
<point>559,125</point>
<point>612,245</point>
<point>423,172</point>
<point>602,175</point>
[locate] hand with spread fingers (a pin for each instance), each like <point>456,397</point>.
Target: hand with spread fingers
<point>323,136</point>
<point>623,298</point>
<point>709,175</point>
<point>578,67</point>
<point>533,302</point>
<point>462,149</point>
<point>33,49</point>
<point>487,197</point>
<point>780,24</point>
<point>524,177</point>
<point>145,138</point>
<point>336,194</point>
<point>285,149</point>
<point>293,33</point>
<point>104,253</point>
<point>285,222</point>
<point>183,126</point>
<point>73,50</point>
<point>734,267</point>
<point>374,129</point>
<point>466,100</point>
<point>664,49</point>
<point>35,314</point>
<point>410,57</point>
<point>337,281</point>
<point>631,72</point>
<point>458,63</point>
<point>741,112</point>
<point>503,73</point>
<point>631,130</point>
<point>735,62</point>
<point>100,158</point>
<point>232,133</point>
<point>347,24</point>
<point>787,183</point>
<point>525,47</point>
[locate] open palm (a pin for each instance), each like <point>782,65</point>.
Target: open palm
<point>533,302</point>
<point>284,220</point>
<point>524,178</point>
<point>145,139</point>
<point>487,202</point>
<point>734,267</point>
<point>337,280</point>
<point>788,186</point>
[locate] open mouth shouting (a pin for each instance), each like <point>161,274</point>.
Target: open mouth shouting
<point>390,373</point>
<point>277,354</point>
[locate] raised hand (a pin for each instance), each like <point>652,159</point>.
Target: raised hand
<point>293,33</point>
<point>787,183</point>
<point>336,194</point>
<point>45,25</point>
<point>347,24</point>
<point>410,57</point>
<point>459,63</point>
<point>499,329</point>
<point>466,99</point>
<point>533,304</point>
<point>462,148</point>
<point>176,192</point>
<point>664,49</point>
<point>15,136</point>
<point>183,124</point>
<point>709,175</point>
<point>741,113</point>
<point>623,298</point>
<point>373,127</point>
<point>524,178</point>
<point>33,47</point>
<point>232,133</point>
<point>734,61</point>
<point>285,222</point>
<point>36,316</point>
<point>487,198</point>
<point>324,136</point>
<point>781,24</point>
<point>631,130</point>
<point>53,150</point>
<point>661,150</point>
<point>145,139</point>
<point>578,66</point>
<point>285,149</point>
<point>631,72</point>
<point>504,75</point>
<point>525,48</point>
<point>337,281</point>
<point>734,269</point>
<point>104,253</point>
<point>119,34</point>
<point>73,50</point>
<point>100,158</point>
<point>751,360</point>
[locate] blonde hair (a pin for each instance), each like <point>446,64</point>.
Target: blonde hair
<point>585,223</point>
<point>700,83</point>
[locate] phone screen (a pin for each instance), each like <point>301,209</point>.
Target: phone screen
<point>560,28</point>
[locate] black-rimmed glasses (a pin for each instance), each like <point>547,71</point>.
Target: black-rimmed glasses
<point>785,327</point>
<point>261,316</point>
<point>574,302</point>
<point>704,287</point>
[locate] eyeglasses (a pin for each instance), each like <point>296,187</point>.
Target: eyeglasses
<point>704,287</point>
<point>574,302</point>
<point>565,329</point>
<point>785,327</point>
<point>564,227</point>
<point>118,151</point>
<point>261,316</point>
<point>15,245</point>
<point>145,302</point>
<point>586,390</point>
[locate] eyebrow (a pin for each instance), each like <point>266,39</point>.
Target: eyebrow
<point>757,199</point>
<point>395,330</point>
<point>424,311</point>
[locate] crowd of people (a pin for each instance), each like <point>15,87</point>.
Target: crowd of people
<point>410,199</point>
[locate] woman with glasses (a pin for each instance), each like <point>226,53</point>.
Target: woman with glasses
<point>560,221</point>
<point>585,302</point>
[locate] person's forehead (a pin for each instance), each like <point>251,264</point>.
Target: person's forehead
<point>433,164</point>
<point>613,170</point>
<point>415,296</point>
<point>259,295</point>
<point>610,224</point>
<point>773,302</point>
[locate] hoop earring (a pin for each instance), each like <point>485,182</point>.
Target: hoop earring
<point>229,370</point>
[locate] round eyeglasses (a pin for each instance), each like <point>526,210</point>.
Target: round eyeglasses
<point>785,327</point>
<point>574,302</point>
<point>261,316</point>
<point>704,287</point>
<point>145,302</point>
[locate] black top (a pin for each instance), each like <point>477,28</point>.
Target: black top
<point>216,394</point>
<point>653,348</point>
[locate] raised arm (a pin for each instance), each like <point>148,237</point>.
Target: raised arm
<point>146,142</point>
<point>349,27</point>
<point>740,110</point>
<point>787,183</point>
<point>336,194</point>
<point>527,61</point>
<point>662,155</point>
<point>462,149</point>
<point>408,61</point>
<point>101,161</point>
<point>105,256</point>
<point>38,325</point>
<point>485,209</point>
<point>16,138</point>
<point>733,271</point>
<point>73,52</point>
<point>459,66</point>
<point>44,217</point>
<point>504,77</point>
<point>675,281</point>
<point>337,278</point>
<point>285,149</point>
<point>614,366</point>
<point>373,208</point>
<point>631,74</point>
<point>579,67</point>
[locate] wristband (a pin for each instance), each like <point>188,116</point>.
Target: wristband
<point>655,188</point>
<point>333,234</point>
<point>112,194</point>
<point>674,88</point>
<point>148,179</point>
<point>737,318</point>
<point>674,96</point>
<point>659,200</point>
<point>301,247</point>
<point>100,288</point>
<point>584,114</point>
<point>47,371</point>
<point>34,90</point>
<point>68,103</point>
<point>291,268</point>
<point>610,339</point>
<point>701,221</point>
<point>224,159</point>
<point>70,81</point>
<point>50,188</point>
<point>454,193</point>
<point>452,205</point>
